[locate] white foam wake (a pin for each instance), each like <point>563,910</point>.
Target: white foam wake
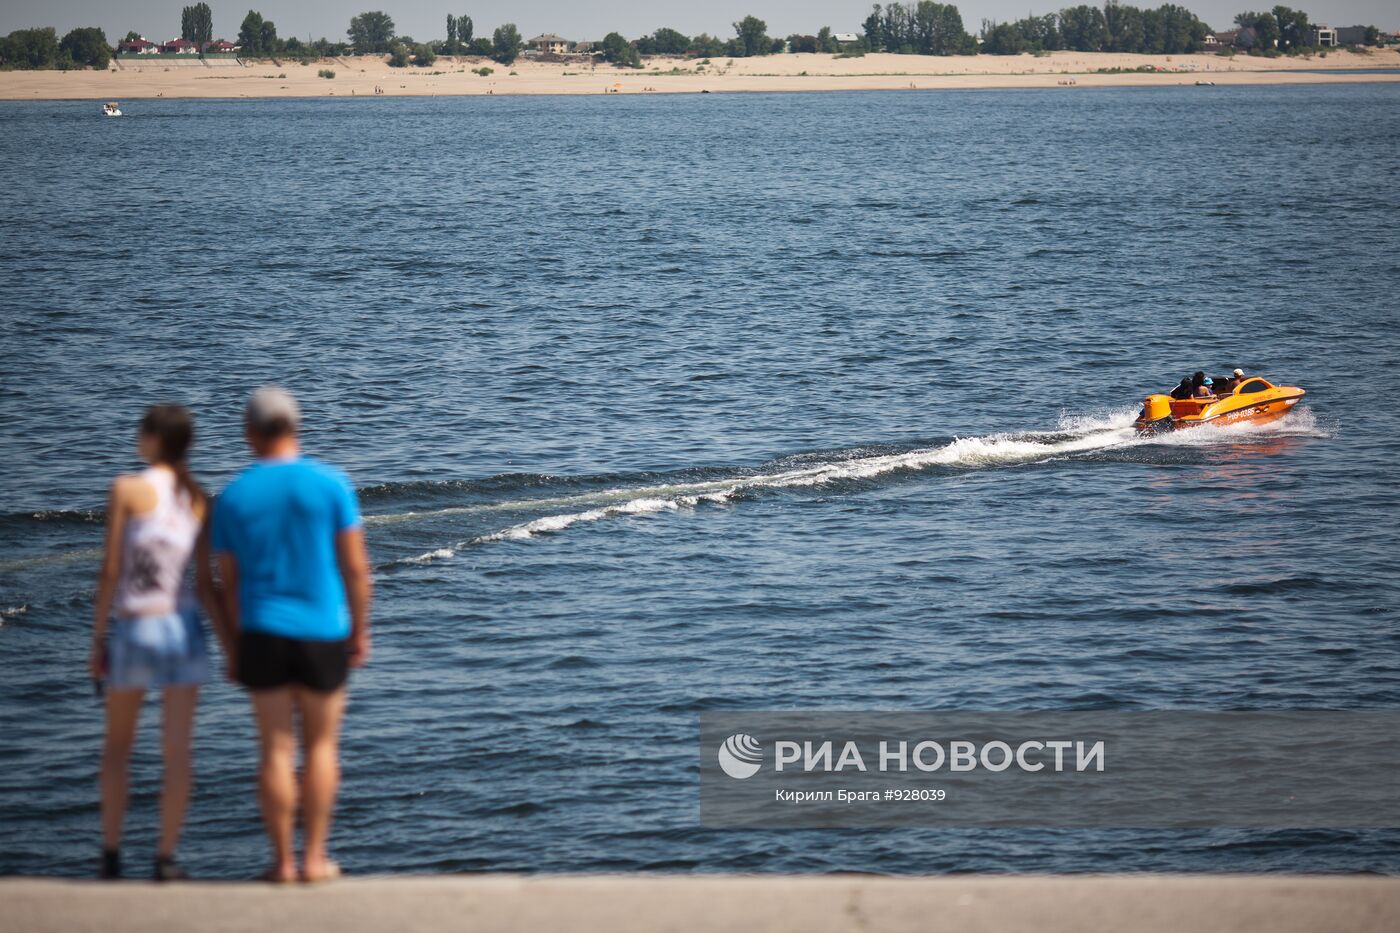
<point>971,452</point>
<point>1077,434</point>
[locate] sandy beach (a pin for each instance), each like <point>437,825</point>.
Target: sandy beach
<point>616,904</point>
<point>130,80</point>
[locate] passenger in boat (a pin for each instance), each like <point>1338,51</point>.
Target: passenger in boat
<point>1184,390</point>
<point>1206,388</point>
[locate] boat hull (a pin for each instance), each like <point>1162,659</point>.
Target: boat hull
<point>1257,407</point>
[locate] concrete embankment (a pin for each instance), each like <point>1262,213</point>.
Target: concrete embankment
<point>753,904</point>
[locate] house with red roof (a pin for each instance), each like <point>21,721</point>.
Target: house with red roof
<point>141,46</point>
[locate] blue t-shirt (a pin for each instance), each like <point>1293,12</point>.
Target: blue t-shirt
<point>279,520</point>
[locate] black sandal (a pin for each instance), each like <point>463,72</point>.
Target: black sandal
<point>110,868</point>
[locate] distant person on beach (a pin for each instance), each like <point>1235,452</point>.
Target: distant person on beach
<point>155,640</point>
<point>291,552</point>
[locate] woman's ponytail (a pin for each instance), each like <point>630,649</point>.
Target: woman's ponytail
<point>173,428</point>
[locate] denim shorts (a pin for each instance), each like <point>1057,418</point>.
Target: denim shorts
<point>152,652</point>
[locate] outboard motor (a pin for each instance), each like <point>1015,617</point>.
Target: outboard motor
<point>1156,414</point>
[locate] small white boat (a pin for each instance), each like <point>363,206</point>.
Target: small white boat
<point>111,109</point>
<point>1205,84</point>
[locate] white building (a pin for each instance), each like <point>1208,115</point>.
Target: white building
<point>1324,36</point>
<point>550,43</point>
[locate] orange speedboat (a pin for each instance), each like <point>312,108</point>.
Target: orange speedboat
<point>1255,400</point>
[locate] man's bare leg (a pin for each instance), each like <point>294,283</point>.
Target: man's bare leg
<point>320,722</point>
<point>277,785</point>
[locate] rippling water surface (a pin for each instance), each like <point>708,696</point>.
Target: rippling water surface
<point>664,405</point>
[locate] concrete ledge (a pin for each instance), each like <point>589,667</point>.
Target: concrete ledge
<point>752,904</point>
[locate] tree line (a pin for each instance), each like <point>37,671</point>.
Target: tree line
<point>1169,29</point>
<point>373,33</point>
<point>42,49</point>
<point>925,27</point>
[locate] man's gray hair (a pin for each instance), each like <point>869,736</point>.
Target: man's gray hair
<point>272,411</point>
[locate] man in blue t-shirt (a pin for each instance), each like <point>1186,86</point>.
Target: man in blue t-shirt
<point>291,553</point>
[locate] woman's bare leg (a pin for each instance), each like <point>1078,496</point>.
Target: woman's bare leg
<point>277,783</point>
<point>123,709</point>
<point>177,731</point>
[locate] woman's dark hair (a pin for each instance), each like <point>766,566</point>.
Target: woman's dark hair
<point>173,428</point>
<point>1198,380</point>
<point>1186,383</point>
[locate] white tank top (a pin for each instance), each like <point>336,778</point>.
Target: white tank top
<point>156,549</point>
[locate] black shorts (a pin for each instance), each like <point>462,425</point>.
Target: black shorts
<point>268,661</point>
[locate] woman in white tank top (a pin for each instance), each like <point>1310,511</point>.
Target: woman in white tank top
<point>146,632</point>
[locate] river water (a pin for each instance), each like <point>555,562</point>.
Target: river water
<point>662,405</point>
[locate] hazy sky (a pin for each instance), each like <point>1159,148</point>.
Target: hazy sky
<point>586,19</point>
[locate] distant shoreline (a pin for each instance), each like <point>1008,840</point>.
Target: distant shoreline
<point>361,76</point>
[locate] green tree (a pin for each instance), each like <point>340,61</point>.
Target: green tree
<point>1263,29</point>
<point>1294,30</point>
<point>132,36</point>
<point>506,44</point>
<point>667,41</point>
<point>87,46</point>
<point>925,28</point>
<point>1082,29</point>
<point>706,46</point>
<point>451,47</point>
<point>1373,36</point>
<point>874,27</point>
<point>30,48</point>
<point>825,42</point>
<point>464,30</point>
<point>197,25</point>
<point>619,51</point>
<point>250,35</point>
<point>937,29</point>
<point>1126,30</point>
<point>753,36</point>
<point>398,55</point>
<point>267,38</point>
<point>898,28</point>
<point>372,32</point>
<point>424,55</point>
<point>1001,39</point>
<point>1182,31</point>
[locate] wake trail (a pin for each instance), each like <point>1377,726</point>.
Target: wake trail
<point>1077,434</point>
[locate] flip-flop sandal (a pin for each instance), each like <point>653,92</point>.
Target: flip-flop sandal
<point>332,873</point>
